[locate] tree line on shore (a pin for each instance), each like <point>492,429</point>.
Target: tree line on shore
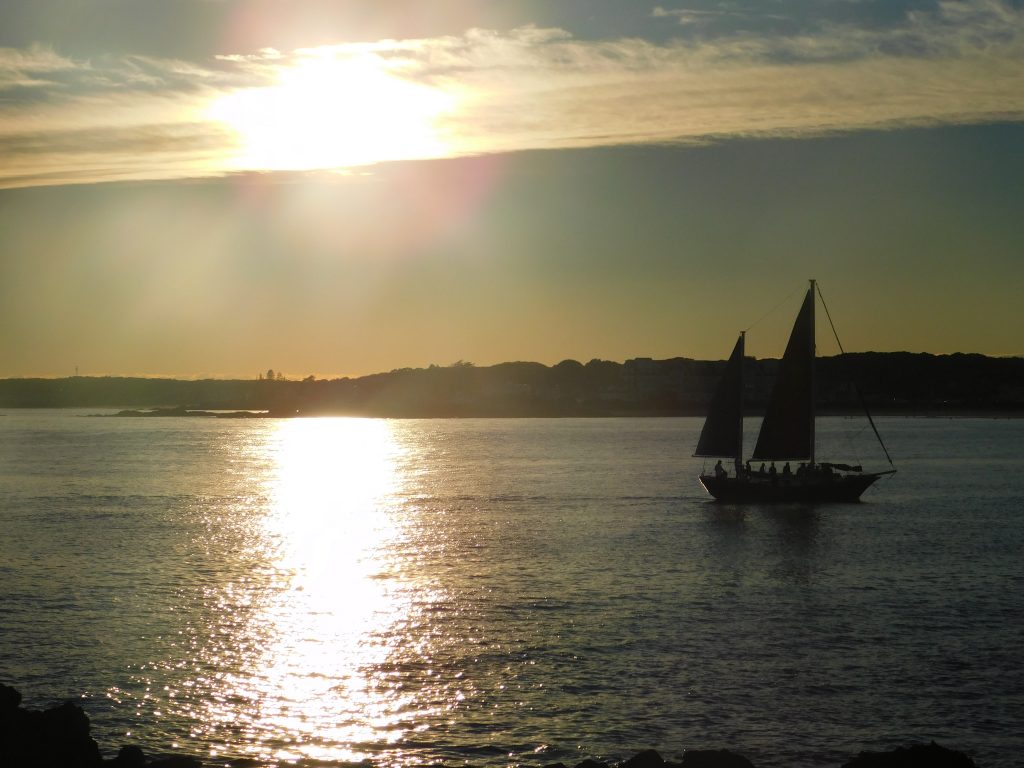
<point>898,382</point>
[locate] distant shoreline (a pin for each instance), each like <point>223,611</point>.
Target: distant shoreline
<point>901,384</point>
<point>189,413</point>
<point>995,414</point>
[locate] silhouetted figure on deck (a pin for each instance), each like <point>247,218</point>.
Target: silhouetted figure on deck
<point>786,471</point>
<point>719,469</point>
<point>773,474</point>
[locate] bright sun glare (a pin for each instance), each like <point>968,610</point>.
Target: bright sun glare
<point>322,631</point>
<point>330,111</point>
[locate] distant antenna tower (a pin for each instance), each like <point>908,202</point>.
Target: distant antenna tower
<point>76,370</point>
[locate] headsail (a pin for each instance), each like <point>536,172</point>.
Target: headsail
<point>723,430</point>
<point>787,431</point>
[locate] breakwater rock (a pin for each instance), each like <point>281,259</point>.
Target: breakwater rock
<point>916,756</point>
<point>59,738</point>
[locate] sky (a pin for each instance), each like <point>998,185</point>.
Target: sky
<point>217,187</point>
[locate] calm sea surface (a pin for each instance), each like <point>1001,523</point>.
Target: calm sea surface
<point>506,591</point>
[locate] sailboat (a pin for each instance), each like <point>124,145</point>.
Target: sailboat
<point>787,432</point>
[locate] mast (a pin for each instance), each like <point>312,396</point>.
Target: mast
<point>739,420</point>
<point>813,352</point>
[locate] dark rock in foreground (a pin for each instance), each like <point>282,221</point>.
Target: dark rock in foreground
<point>54,737</point>
<point>130,757</point>
<point>646,759</point>
<point>9,700</point>
<point>714,758</point>
<point>915,756</point>
<point>692,758</point>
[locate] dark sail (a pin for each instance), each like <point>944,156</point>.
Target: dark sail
<point>721,434</point>
<point>787,431</point>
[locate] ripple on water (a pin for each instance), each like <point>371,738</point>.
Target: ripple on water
<point>503,591</point>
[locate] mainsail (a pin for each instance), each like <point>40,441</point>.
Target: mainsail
<point>722,435</point>
<point>787,431</point>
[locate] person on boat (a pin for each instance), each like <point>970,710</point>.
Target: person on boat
<point>773,474</point>
<point>761,470</point>
<point>720,470</point>
<point>786,471</point>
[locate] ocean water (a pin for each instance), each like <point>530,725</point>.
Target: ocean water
<point>505,592</point>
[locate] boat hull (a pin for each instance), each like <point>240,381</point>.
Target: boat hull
<point>836,488</point>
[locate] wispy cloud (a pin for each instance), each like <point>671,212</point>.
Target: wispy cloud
<point>64,120</point>
<point>695,16</point>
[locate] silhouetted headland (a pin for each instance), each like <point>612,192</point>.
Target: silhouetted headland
<point>181,410</point>
<point>60,736</point>
<point>901,383</point>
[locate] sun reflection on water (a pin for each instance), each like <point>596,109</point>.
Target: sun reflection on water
<point>328,533</point>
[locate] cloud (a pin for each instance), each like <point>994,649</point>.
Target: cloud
<point>64,120</point>
<point>962,63</point>
<point>690,16</point>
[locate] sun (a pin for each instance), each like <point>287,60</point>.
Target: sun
<point>334,111</point>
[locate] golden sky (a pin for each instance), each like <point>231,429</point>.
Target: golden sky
<point>343,188</point>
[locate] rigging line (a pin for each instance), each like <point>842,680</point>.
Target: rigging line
<point>860,395</point>
<point>772,310</point>
<point>825,306</point>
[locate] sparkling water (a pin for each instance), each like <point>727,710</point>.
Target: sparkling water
<point>499,592</point>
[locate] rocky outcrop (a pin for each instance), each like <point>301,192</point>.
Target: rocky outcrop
<point>59,738</point>
<point>714,758</point>
<point>916,756</point>
<point>692,758</point>
<point>54,737</point>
